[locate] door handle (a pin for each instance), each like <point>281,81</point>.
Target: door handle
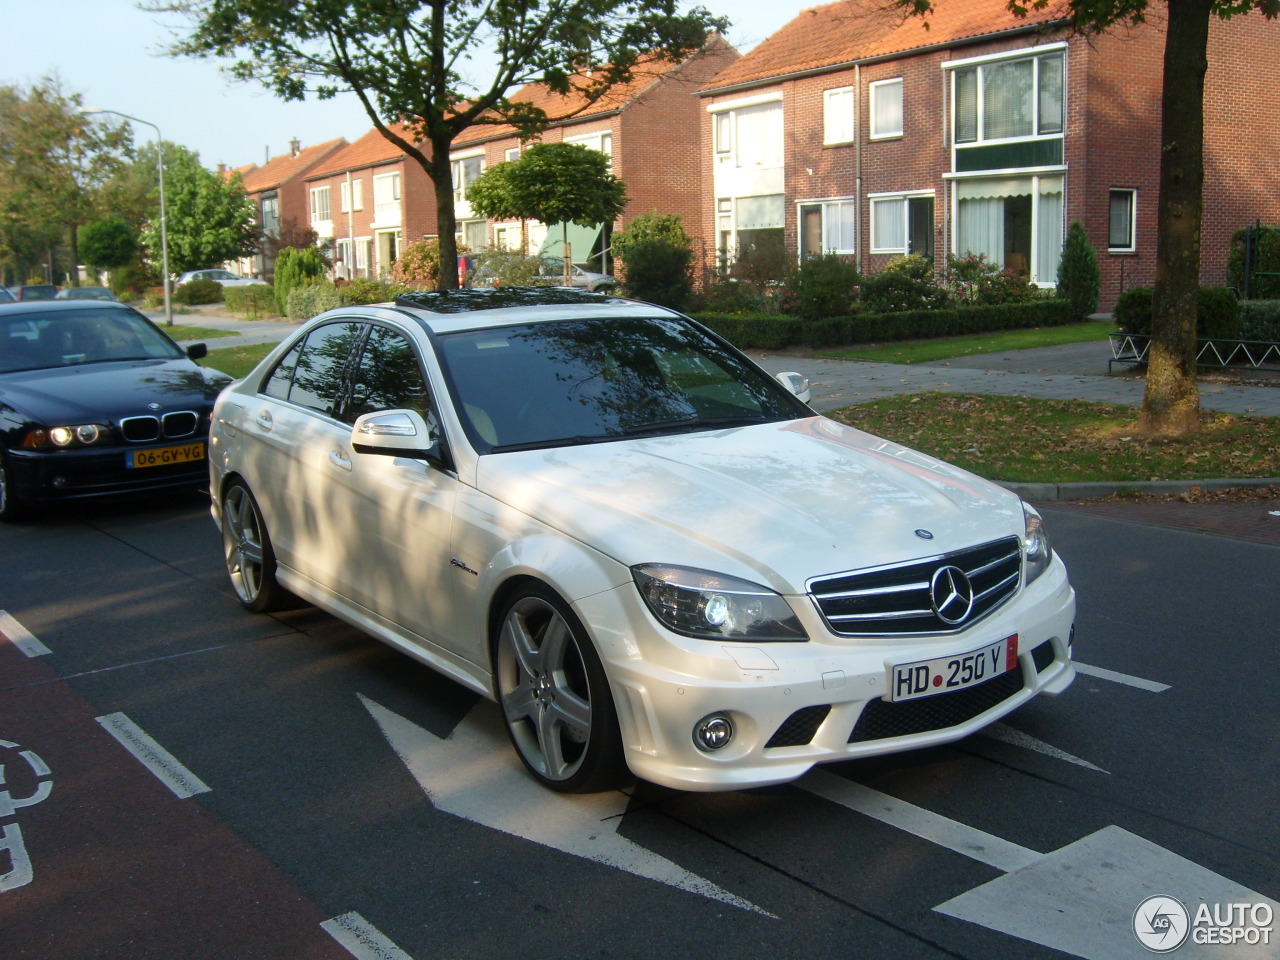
<point>264,420</point>
<point>339,461</point>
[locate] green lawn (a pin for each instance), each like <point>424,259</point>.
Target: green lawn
<point>1025,440</point>
<point>947,348</point>
<point>237,361</point>
<point>182,332</point>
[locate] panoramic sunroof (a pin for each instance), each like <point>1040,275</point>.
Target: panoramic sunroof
<point>495,298</point>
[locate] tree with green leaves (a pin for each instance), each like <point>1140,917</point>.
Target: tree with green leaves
<point>210,220</point>
<point>658,256</point>
<point>405,60</point>
<point>109,243</point>
<point>1079,279</point>
<point>552,183</point>
<point>53,164</point>
<point>1171,402</point>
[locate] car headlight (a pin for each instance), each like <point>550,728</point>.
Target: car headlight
<point>1037,552</point>
<point>65,437</point>
<point>712,606</point>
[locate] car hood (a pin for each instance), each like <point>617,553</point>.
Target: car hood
<point>775,503</point>
<point>97,391</point>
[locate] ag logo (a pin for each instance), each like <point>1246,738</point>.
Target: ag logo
<point>951,594</point>
<point>1161,924</point>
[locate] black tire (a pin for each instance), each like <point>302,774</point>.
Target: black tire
<point>12,509</point>
<point>246,546</point>
<point>554,695</point>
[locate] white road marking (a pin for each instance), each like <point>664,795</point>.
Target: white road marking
<point>922,823</point>
<point>21,637</point>
<point>1104,674</point>
<point>474,774</point>
<point>163,765</point>
<point>20,872</point>
<point>362,939</point>
<point>1002,731</point>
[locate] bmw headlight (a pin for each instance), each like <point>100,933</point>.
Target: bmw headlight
<point>712,606</point>
<point>1037,552</point>
<point>64,437</point>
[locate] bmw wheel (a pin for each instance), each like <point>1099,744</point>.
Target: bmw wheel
<point>251,563</point>
<point>555,696</point>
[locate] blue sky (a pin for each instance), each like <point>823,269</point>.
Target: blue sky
<point>108,51</point>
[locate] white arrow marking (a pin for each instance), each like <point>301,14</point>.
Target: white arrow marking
<point>475,775</point>
<point>1079,900</point>
<point>1002,731</point>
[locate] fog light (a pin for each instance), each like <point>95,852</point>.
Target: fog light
<point>713,732</point>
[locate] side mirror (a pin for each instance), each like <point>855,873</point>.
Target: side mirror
<point>797,383</point>
<point>197,351</point>
<point>395,433</point>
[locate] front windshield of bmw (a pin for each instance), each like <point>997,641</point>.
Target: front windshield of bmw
<point>63,338</point>
<point>586,381</point>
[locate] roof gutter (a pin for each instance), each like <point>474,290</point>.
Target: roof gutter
<point>568,121</point>
<point>886,57</point>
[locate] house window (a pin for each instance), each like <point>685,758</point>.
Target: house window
<point>1015,222</point>
<point>320,205</point>
<point>351,195</point>
<point>902,224</point>
<point>386,198</point>
<point>750,136</point>
<point>473,234</point>
<point>886,108</point>
<point>271,215</point>
<point>1122,236</point>
<point>510,154</point>
<point>837,115</point>
<point>466,170</point>
<point>1008,99</point>
<point>827,227</point>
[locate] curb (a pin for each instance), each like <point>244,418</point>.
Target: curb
<point>1049,492</point>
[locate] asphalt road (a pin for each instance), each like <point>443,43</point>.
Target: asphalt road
<point>307,792</point>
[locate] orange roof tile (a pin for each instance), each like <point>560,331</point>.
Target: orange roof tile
<point>851,30</point>
<point>242,171</point>
<point>288,165</point>
<point>371,149</point>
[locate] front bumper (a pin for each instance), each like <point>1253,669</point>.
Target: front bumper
<point>794,705</point>
<point>44,476</point>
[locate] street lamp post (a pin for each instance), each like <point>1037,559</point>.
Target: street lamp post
<point>164,229</point>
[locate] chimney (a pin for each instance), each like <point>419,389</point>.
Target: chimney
<point>294,147</point>
<point>222,169</point>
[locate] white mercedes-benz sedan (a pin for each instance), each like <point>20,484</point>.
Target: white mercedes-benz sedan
<point>651,554</point>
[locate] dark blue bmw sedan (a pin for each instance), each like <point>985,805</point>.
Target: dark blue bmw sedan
<point>95,399</point>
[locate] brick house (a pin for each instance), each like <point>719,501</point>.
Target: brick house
<point>279,196</point>
<point>648,127</point>
<point>853,130</point>
<point>370,199</point>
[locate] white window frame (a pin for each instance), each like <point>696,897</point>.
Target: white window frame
<point>873,114</point>
<point>837,116</point>
<point>1034,54</point>
<point>1132,246</point>
<point>511,154</point>
<point>459,162</point>
<point>829,206</point>
<point>901,197</point>
<point>724,125</point>
<point>315,195</point>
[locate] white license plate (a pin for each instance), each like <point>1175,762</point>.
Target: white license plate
<point>925,678</point>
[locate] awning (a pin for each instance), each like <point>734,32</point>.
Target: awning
<point>582,241</point>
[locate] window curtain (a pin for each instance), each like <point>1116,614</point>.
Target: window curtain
<point>1048,234</point>
<point>1007,89</point>
<point>760,135</point>
<point>886,108</point>
<point>981,228</point>
<point>761,213</point>
<point>838,228</point>
<point>889,224</point>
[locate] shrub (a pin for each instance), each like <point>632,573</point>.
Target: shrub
<point>657,256</point>
<point>1079,280</point>
<point>896,288</point>
<point>255,300</point>
<point>974,281</point>
<point>310,298</point>
<point>504,268</point>
<point>365,290</point>
<point>418,266</point>
<point>763,260</point>
<point>912,265</point>
<point>1266,259</point>
<point>295,267</point>
<point>1260,320</point>
<point>727,295</point>
<point>825,286</point>
<point>1217,313</point>
<point>196,292</point>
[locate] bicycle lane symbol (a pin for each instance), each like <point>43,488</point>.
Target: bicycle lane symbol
<point>12,847</point>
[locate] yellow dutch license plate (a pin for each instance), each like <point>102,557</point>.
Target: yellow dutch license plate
<point>164,456</point>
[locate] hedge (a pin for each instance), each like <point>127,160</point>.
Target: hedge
<point>774,332</point>
<point>256,299</point>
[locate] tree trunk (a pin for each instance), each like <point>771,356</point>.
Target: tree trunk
<point>1171,403</point>
<point>440,170</point>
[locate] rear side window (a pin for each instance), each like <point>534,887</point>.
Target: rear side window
<point>316,375</point>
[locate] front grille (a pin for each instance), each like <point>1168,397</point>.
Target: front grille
<point>799,728</point>
<point>171,426</point>
<point>896,600</point>
<point>881,719</point>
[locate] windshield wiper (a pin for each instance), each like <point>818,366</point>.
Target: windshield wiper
<point>694,423</point>
<point>551,442</point>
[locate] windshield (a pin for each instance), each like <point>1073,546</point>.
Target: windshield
<point>584,381</point>
<point>34,341</point>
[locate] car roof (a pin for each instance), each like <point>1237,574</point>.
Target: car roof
<point>449,311</point>
<point>63,306</point>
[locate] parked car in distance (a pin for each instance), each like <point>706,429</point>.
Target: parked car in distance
<point>651,554</point>
<point>34,291</point>
<point>224,277</point>
<point>6,296</point>
<point>85,293</point>
<point>95,399</point>
<point>550,271</point>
